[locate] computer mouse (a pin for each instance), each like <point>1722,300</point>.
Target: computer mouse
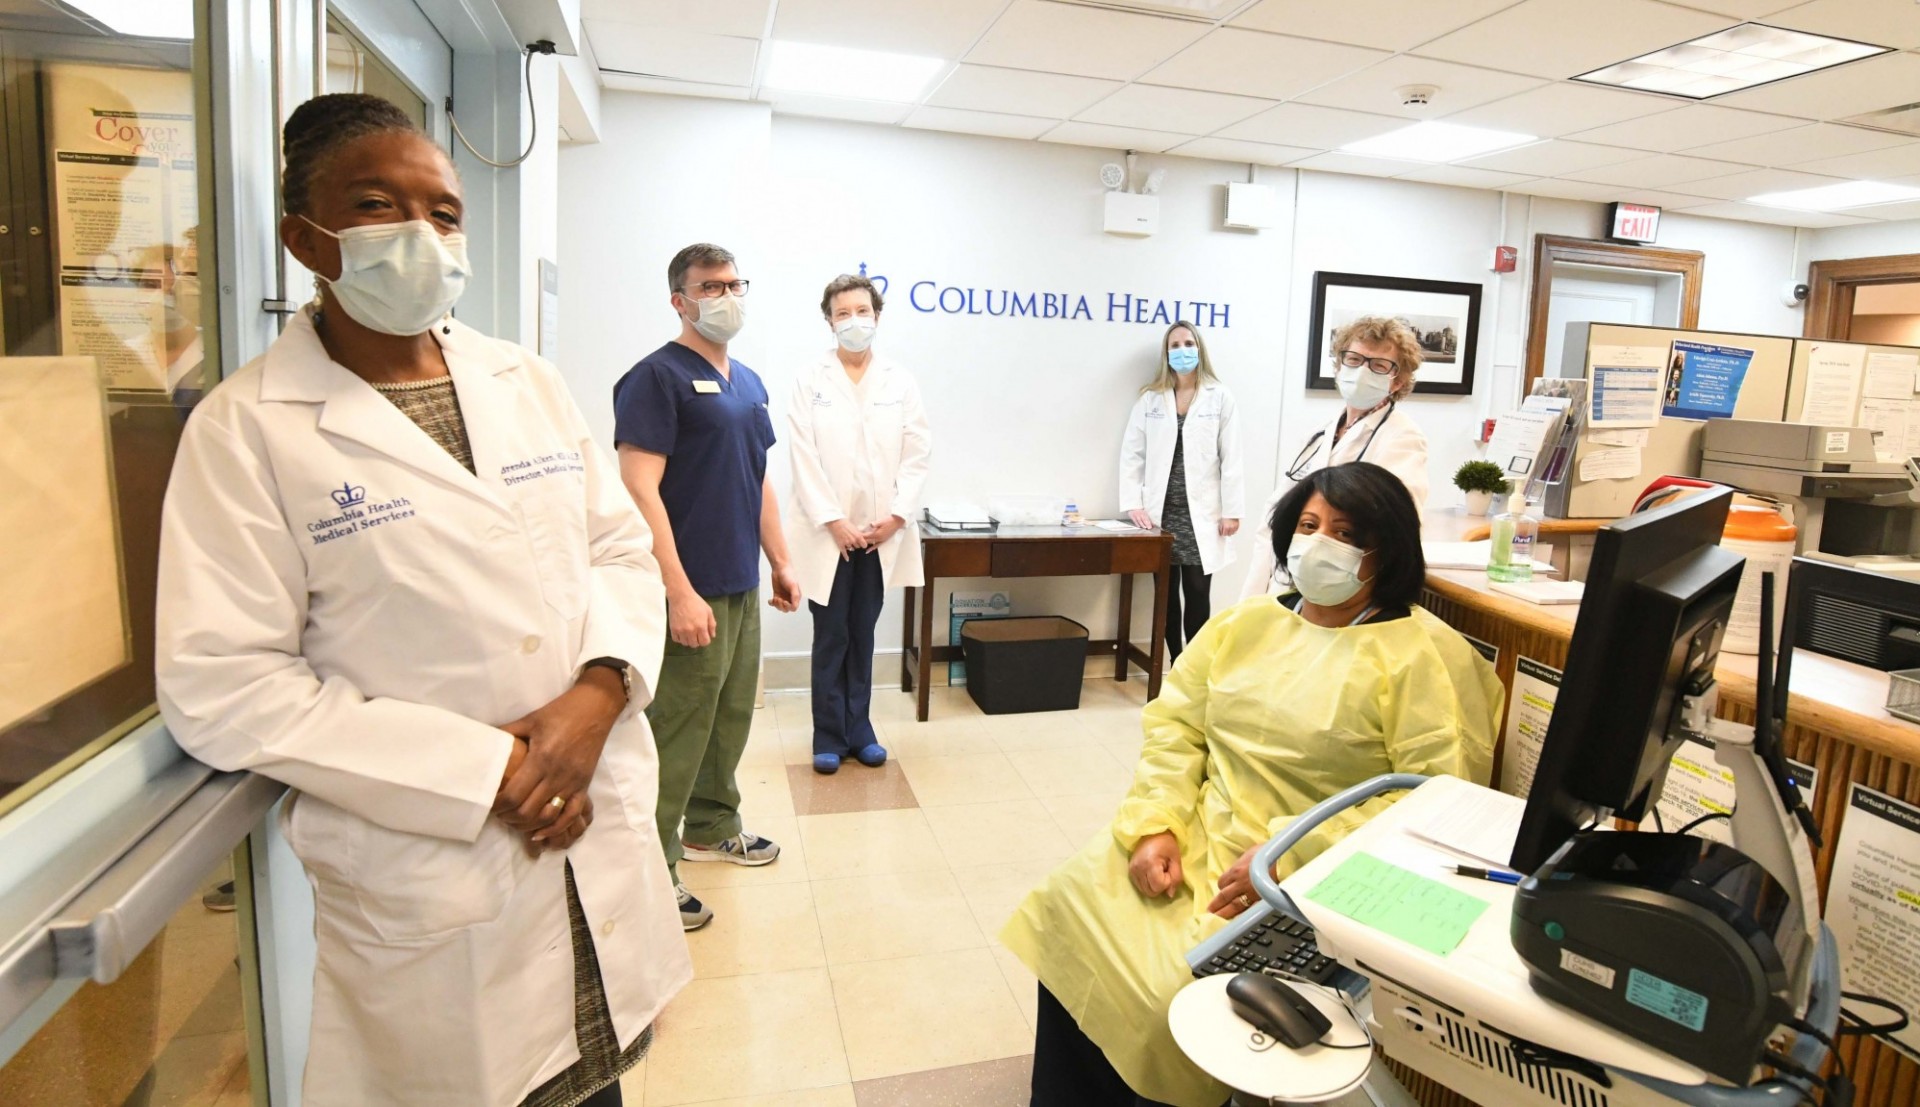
<point>1275,1009</point>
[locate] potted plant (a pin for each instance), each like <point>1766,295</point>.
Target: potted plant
<point>1480,480</point>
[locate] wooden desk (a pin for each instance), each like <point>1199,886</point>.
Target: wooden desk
<point>1038,552</point>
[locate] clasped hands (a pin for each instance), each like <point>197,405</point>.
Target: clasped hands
<point>873,536</point>
<point>555,751</point>
<point>1155,871</point>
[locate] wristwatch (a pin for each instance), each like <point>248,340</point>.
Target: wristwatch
<point>622,668</point>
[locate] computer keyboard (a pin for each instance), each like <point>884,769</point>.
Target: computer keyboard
<point>1278,946</point>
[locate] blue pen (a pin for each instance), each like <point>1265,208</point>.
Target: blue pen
<point>1495,875</point>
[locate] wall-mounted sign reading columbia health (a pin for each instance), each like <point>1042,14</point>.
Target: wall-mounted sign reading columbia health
<point>939,297</point>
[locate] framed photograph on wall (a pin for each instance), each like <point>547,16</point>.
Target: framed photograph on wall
<point>1444,316</point>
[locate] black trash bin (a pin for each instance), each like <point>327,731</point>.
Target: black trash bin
<point>1033,663</point>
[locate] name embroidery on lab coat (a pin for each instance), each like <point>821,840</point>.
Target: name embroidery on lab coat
<point>355,513</point>
<point>546,465</point>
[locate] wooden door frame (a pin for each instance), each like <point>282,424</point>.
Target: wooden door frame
<point>1549,249</point>
<point>1830,287</point>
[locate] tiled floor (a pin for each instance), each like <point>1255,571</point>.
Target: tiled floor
<point>861,969</point>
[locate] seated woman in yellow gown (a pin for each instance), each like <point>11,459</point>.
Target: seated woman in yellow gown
<point>1278,704</point>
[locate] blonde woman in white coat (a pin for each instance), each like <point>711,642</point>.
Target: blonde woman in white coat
<point>1375,358</point>
<point>1181,471</point>
<point>860,445</point>
<point>397,574</point>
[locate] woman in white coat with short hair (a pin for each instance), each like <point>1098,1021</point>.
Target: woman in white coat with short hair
<point>1181,470</point>
<point>1375,358</point>
<point>860,444</point>
<point>397,573</point>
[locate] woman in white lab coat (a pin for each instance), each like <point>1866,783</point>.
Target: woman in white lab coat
<point>1375,358</point>
<point>1181,470</point>
<point>860,444</point>
<point>397,574</point>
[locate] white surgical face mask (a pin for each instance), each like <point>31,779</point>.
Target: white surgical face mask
<point>719,318</point>
<point>855,333</point>
<point>398,278</point>
<point>1362,388</point>
<point>1325,570</point>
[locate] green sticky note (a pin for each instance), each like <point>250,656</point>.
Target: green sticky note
<point>1394,901</point>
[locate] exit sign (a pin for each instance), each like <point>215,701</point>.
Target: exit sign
<point>1635,223</point>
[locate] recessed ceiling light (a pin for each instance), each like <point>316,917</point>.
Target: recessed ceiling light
<point>1730,60</point>
<point>140,18</point>
<point>1834,197</point>
<point>842,71</point>
<point>1436,141</point>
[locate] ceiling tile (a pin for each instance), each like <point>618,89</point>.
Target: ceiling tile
<point>1236,149</point>
<point>1387,24</point>
<point>1089,42</point>
<point>1337,162</point>
<point>1658,171</point>
<point>977,122</point>
<point>1866,85</point>
<point>1547,159</point>
<point>1874,165</point>
<point>1113,138</point>
<point>1815,140</point>
<point>1374,89</point>
<point>1253,63</point>
<point>834,107</point>
<point>1569,190</point>
<point>1893,23</point>
<point>682,55</point>
<point>1743,9</point>
<point>627,82</point>
<point>1565,38</point>
<point>1560,109</point>
<point>742,18</point>
<point>1466,177</point>
<point>942,30</point>
<point>1889,212</point>
<point>1306,125</point>
<point>1754,182</point>
<point>1788,217</point>
<point>1019,91</point>
<point>1172,109</point>
<point>1684,127</point>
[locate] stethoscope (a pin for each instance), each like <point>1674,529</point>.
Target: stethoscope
<point>1300,466</point>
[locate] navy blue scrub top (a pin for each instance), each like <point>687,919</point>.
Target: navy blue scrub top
<point>716,447</point>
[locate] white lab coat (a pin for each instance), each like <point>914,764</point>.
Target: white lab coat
<point>843,452</point>
<point>1386,436</point>
<point>343,607</point>
<point>1216,473</point>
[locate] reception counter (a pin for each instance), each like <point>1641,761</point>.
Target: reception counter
<point>1836,721</point>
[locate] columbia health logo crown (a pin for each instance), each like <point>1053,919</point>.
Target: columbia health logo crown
<point>349,495</point>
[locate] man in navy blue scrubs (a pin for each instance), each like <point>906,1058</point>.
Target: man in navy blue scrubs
<point>693,432</point>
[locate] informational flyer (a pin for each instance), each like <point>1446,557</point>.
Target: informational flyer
<point>1698,785</point>
<point>118,323</point>
<point>1834,370</point>
<point>1873,903</point>
<point>1703,380</point>
<point>1529,710</point>
<point>1626,385</point>
<point>1618,463</point>
<point>1890,376</point>
<point>1895,425</point>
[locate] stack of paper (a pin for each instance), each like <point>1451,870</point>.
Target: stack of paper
<point>958,516</point>
<point>1467,555</point>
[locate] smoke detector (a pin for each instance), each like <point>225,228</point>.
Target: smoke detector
<point>1416,96</point>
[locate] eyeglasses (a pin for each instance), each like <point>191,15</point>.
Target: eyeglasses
<point>710,289</point>
<point>1380,365</point>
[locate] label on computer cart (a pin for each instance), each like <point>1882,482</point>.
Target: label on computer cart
<point>1586,968</point>
<point>1839,442</point>
<point>1668,1000</point>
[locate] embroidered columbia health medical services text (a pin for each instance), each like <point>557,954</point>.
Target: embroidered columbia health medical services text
<point>546,465</point>
<point>354,513</point>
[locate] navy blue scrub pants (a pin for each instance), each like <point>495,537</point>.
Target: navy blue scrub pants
<point>843,656</point>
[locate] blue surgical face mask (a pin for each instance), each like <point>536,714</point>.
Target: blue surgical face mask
<point>1184,359</point>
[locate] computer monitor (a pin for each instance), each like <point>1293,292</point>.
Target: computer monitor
<point>1659,593</point>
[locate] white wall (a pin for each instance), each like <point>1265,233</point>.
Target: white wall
<point>1038,405</point>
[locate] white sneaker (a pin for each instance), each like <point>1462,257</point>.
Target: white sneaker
<point>741,849</point>
<point>693,913</point>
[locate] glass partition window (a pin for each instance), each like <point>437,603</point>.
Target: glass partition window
<point>351,67</point>
<point>105,352</point>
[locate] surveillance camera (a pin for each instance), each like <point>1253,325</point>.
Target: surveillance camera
<point>1793,294</point>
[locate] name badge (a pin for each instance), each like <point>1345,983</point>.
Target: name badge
<point>706,386</point>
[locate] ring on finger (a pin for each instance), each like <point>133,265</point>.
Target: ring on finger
<point>557,802</point>
<point>1244,900</point>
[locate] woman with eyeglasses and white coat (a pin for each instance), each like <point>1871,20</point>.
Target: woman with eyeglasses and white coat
<point>1376,358</point>
<point>1181,471</point>
<point>860,445</point>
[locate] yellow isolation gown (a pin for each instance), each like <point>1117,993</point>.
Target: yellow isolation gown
<point>1265,715</point>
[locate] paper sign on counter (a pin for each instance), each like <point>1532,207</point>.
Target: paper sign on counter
<point>1833,384</point>
<point>1697,784</point>
<point>1873,903</point>
<point>1529,710</point>
<point>1612,464</point>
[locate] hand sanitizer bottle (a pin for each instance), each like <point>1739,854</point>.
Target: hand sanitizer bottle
<point>1514,533</point>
